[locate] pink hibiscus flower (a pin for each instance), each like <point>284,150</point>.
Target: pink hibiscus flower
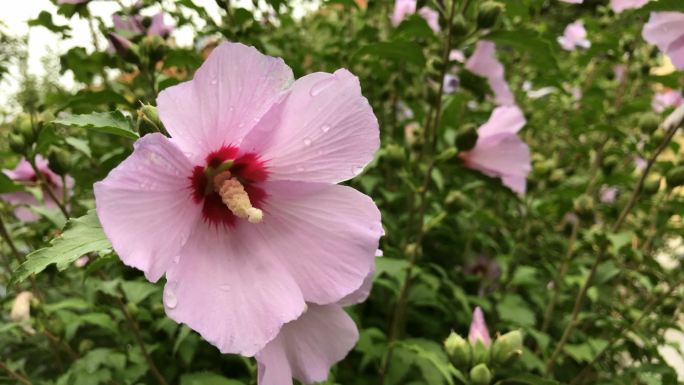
<point>404,8</point>
<point>574,36</point>
<point>666,30</point>
<point>621,5</point>
<point>23,173</point>
<point>240,208</point>
<point>608,194</point>
<point>665,99</point>
<point>499,152</point>
<point>136,24</point>
<point>483,62</point>
<point>307,348</point>
<point>478,329</point>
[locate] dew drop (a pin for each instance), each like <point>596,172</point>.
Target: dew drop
<point>322,85</point>
<point>356,170</point>
<point>170,299</point>
<point>307,141</point>
<point>213,81</point>
<point>176,259</point>
<point>325,128</point>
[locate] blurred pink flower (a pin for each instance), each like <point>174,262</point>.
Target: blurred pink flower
<point>620,72</point>
<point>431,17</point>
<point>456,55</point>
<point>307,347</point>
<point>608,194</point>
<point>137,24</point>
<point>451,83</point>
<point>574,36</point>
<point>665,99</point>
<point>483,62</point>
<point>23,173</point>
<point>621,5</point>
<point>640,163</point>
<point>478,329</point>
<point>499,152</point>
<point>666,30</point>
<point>240,208</point>
<point>404,8</point>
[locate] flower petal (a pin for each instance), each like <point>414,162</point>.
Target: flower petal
<point>229,94</point>
<point>306,348</point>
<point>325,235</point>
<point>324,132</point>
<point>362,293</point>
<point>666,30</point>
<point>505,156</point>
<point>226,289</point>
<point>145,205</point>
<point>505,119</point>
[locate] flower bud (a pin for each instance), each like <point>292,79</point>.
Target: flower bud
<point>459,27</point>
<point>584,206</point>
<point>395,154</point>
<point>480,375</point>
<point>446,154</point>
<point>488,14</point>
<point>675,177</point>
<point>456,199</point>
<point>467,138</point>
<point>649,122</point>
<point>652,184</point>
<point>152,48</point>
<point>480,352</point>
<point>148,120</point>
<point>17,143</point>
<point>59,160</point>
<point>609,164</point>
<point>458,350</point>
<point>507,348</point>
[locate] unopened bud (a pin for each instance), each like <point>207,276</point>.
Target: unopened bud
<point>17,143</point>
<point>584,206</point>
<point>652,184</point>
<point>59,160</point>
<point>456,199</point>
<point>85,345</point>
<point>447,154</point>
<point>459,27</point>
<point>152,48</point>
<point>609,164</point>
<point>148,120</point>
<point>675,177</point>
<point>488,14</point>
<point>480,353</point>
<point>480,375</point>
<point>395,154</point>
<point>467,138</point>
<point>649,122</point>
<point>507,348</point>
<point>458,350</point>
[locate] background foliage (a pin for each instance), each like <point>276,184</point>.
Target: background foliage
<point>454,238</point>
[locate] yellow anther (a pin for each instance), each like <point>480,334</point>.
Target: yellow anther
<point>234,196</point>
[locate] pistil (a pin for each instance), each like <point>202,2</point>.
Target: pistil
<point>235,197</point>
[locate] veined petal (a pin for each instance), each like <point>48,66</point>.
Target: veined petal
<point>145,206</point>
<point>224,287</point>
<point>306,348</point>
<point>505,119</point>
<point>325,131</point>
<point>507,157</point>
<point>228,96</point>
<point>325,235</point>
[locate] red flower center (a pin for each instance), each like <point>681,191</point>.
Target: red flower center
<point>247,168</point>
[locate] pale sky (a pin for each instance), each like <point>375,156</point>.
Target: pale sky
<point>42,41</point>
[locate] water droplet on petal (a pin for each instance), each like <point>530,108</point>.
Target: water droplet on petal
<point>356,170</point>
<point>176,259</point>
<point>213,81</point>
<point>322,85</point>
<point>307,141</point>
<point>325,128</point>
<point>170,299</point>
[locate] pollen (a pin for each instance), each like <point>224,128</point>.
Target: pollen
<point>235,197</point>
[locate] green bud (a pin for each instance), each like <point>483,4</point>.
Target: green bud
<point>657,137</point>
<point>395,154</point>
<point>85,345</point>
<point>557,176</point>
<point>25,128</point>
<point>480,375</point>
<point>488,14</point>
<point>458,350</point>
<point>459,27</point>
<point>17,143</point>
<point>447,154</point>
<point>480,353</point>
<point>466,138</point>
<point>507,348</point>
<point>609,164</point>
<point>59,160</point>
<point>652,184</point>
<point>132,308</point>
<point>152,49</point>
<point>649,122</point>
<point>675,177</point>
<point>456,199</point>
<point>584,206</point>
<point>148,120</point>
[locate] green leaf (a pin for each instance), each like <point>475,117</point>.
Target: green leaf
<point>399,51</point>
<point>514,309</point>
<point>44,19</point>
<point>206,378</point>
<point>113,122</point>
<point>7,185</point>
<point>619,240</point>
<point>81,236</point>
<point>540,50</point>
<point>663,5</point>
<point>80,145</point>
<point>136,291</point>
<point>530,379</point>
